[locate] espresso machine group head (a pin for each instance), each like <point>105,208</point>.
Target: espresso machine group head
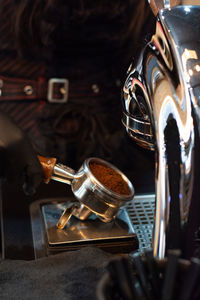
<point>161,112</point>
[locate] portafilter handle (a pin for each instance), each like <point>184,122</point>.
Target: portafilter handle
<point>157,5</point>
<point>54,171</point>
<point>63,174</point>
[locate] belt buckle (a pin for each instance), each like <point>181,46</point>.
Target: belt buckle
<point>63,90</point>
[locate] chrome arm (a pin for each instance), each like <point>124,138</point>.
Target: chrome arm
<point>167,79</point>
<point>63,174</point>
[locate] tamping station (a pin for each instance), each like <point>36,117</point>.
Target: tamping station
<point>95,216</point>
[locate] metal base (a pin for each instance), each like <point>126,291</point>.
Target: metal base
<point>116,237</point>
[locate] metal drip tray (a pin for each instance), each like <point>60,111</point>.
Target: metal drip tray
<point>116,237</point>
<point>89,231</point>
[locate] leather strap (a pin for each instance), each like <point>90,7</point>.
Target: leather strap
<point>54,90</point>
<point>26,89</point>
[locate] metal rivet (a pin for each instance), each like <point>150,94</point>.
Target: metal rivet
<point>63,91</point>
<point>95,88</point>
<point>28,90</point>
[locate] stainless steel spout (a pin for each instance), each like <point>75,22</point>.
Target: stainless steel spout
<point>162,113</point>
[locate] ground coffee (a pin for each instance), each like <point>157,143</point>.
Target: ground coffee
<point>109,178</point>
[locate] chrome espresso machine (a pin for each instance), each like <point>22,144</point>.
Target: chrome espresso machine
<point>162,113</point>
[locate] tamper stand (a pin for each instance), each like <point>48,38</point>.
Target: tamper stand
<point>108,226</point>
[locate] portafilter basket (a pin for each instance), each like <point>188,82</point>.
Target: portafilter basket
<point>93,196</point>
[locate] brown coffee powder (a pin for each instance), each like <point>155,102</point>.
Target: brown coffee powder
<point>110,178</point>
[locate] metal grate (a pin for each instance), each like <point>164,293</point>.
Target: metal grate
<point>141,212</point>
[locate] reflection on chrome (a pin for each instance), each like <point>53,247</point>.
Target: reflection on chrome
<point>162,113</point>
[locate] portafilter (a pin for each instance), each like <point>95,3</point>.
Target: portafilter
<point>93,195</point>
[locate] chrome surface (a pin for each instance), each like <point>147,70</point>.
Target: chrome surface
<point>135,115</point>
<point>165,82</point>
<point>141,212</point>
<point>92,195</point>
<point>65,217</point>
<point>82,212</point>
<point>63,174</point>
<point>47,238</point>
<point>83,231</point>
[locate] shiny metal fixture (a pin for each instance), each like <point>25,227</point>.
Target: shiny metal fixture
<point>161,112</point>
<point>93,196</point>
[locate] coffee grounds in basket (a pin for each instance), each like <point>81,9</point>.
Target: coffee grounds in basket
<point>110,178</point>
